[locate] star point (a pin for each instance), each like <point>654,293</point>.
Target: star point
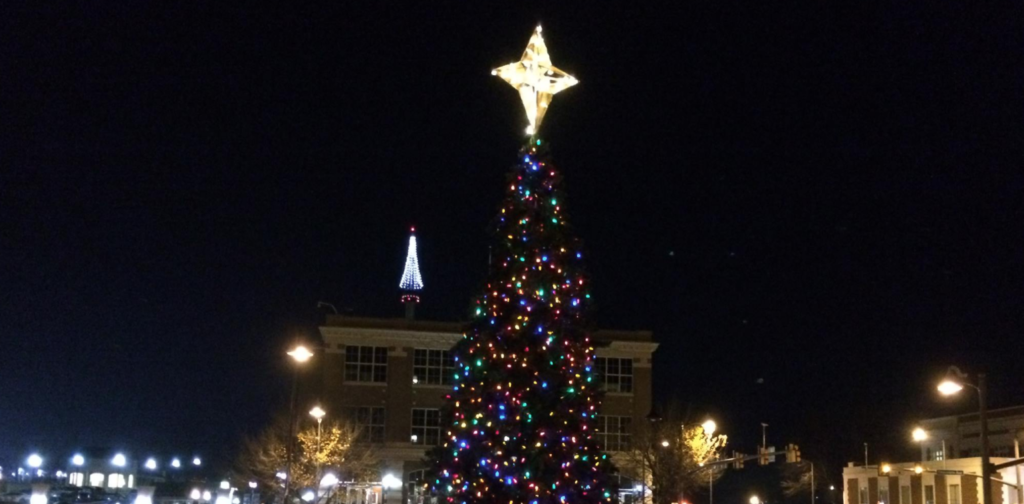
<point>536,79</point>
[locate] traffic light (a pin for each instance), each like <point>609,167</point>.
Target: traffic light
<point>737,459</point>
<point>762,459</point>
<point>796,453</point>
<point>792,453</point>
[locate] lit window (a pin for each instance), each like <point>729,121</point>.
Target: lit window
<point>883,495</point>
<point>366,364</point>
<point>77,479</point>
<point>115,480</point>
<point>614,432</point>
<point>426,426</point>
<point>96,479</point>
<point>433,367</point>
<point>616,375</point>
<point>370,422</point>
<point>863,496</point>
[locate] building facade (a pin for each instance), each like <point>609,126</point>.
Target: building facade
<point>959,436</point>
<point>390,377</point>
<point>956,481</point>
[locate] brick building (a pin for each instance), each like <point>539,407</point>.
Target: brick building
<point>390,376</point>
<point>959,436</point>
<point>956,481</point>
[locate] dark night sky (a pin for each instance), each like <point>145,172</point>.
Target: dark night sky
<point>828,196</point>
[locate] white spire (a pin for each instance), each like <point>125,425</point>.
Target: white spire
<point>411,279</point>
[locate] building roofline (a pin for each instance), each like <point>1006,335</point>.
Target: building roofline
<point>403,324</point>
<point>973,417</point>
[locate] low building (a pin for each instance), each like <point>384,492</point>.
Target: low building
<point>959,436</point>
<point>956,481</point>
<point>390,376</point>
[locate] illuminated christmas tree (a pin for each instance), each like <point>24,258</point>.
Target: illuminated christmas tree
<point>521,415</point>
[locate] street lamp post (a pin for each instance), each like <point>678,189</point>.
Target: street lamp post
<point>709,427</point>
<point>954,382</point>
<point>652,417</point>
<point>318,413</point>
<point>300,355</point>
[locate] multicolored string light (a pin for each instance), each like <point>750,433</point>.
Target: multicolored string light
<point>521,413</point>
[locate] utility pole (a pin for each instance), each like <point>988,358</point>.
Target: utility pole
<point>764,436</point>
<point>812,482</point>
<point>865,454</point>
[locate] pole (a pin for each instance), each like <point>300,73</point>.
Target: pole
<point>643,480</point>
<point>865,454</point>
<point>291,434</point>
<point>1016,454</point>
<point>944,454</point>
<point>812,482</point>
<point>986,471</point>
<point>764,436</point>
<point>318,422</point>
<point>711,486</point>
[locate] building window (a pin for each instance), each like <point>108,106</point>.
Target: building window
<point>366,364</point>
<point>370,422</point>
<point>929,494</point>
<point>115,480</point>
<point>616,374</point>
<point>614,432</point>
<point>939,455</point>
<point>96,479</point>
<point>433,367</point>
<point>426,426</point>
<point>905,494</point>
<point>863,496</point>
<point>883,495</point>
<point>76,479</point>
<point>954,494</point>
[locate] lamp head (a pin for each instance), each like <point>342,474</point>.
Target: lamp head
<point>886,468</point>
<point>709,427</point>
<point>317,412</point>
<point>300,354</point>
<point>953,382</point>
<point>919,434</point>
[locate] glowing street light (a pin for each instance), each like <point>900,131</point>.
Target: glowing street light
<point>390,481</point>
<point>709,427</point>
<point>886,468</point>
<point>755,500</point>
<point>918,469</point>
<point>300,354</point>
<point>664,442</point>
<point>195,494</point>
<point>207,495</point>
<point>34,461</point>
<point>151,464</point>
<point>119,460</point>
<point>175,463</point>
<point>919,434</point>
<point>318,413</point>
<point>954,382</point>
<point>328,480</point>
<point>252,485</point>
<point>224,485</point>
<point>196,461</point>
<point>78,460</point>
